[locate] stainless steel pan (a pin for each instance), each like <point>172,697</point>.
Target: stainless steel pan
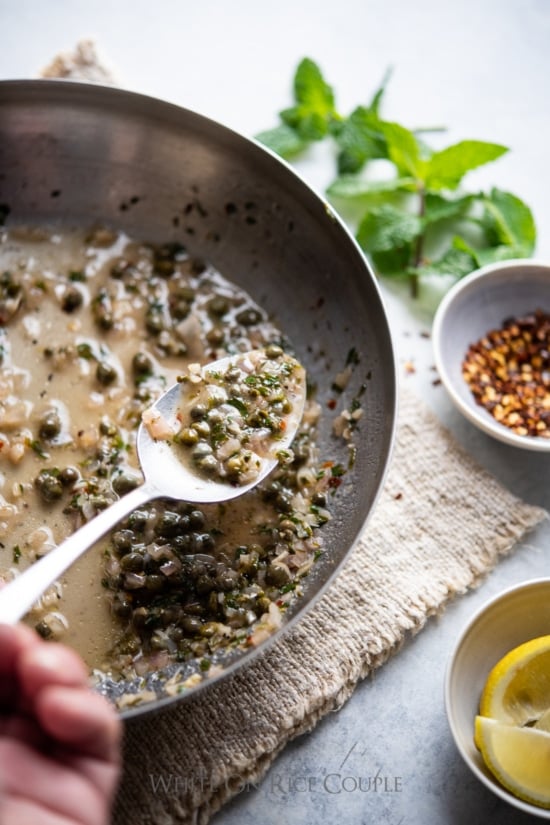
<point>77,154</point>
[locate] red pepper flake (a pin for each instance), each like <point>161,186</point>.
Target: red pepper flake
<point>398,496</point>
<point>410,368</point>
<point>508,372</point>
<point>331,404</point>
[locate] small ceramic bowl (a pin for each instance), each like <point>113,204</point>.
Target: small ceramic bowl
<point>515,616</point>
<point>474,306</point>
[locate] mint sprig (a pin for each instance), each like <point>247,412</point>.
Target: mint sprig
<point>418,220</point>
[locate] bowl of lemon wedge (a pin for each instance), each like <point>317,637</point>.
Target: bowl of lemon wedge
<point>497,696</point>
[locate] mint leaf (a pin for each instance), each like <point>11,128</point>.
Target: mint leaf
<point>351,186</point>
<point>360,138</point>
<point>403,149</point>
<point>509,220</point>
<point>455,261</point>
<point>440,208</point>
<point>283,140</point>
<point>445,169</point>
<point>314,98</point>
<point>386,227</point>
<point>387,234</point>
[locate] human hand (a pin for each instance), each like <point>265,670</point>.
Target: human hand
<point>59,741</point>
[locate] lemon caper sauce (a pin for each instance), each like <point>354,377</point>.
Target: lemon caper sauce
<point>93,328</point>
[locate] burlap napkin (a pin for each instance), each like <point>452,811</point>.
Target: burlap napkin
<point>440,524</point>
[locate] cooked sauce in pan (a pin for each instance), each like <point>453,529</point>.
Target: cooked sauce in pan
<point>93,328</point>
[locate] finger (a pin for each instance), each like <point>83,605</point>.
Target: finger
<point>59,788</point>
<point>49,664</point>
<point>81,720</point>
<point>13,641</point>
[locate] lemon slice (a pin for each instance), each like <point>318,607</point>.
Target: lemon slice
<point>517,690</point>
<point>518,757</point>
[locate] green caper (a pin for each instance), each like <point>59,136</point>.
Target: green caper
<point>154,322</point>
<point>49,486</point>
<point>124,482</point>
<point>204,584</point>
<point>277,574</point>
<point>123,541</point>
<point>72,299</point>
<point>155,582</point>
<point>227,579</point>
<point>201,450</point>
<point>169,524</point>
<point>218,305</point>
<point>139,617</point>
<point>234,465</point>
<point>50,426</point>
<point>273,351</point>
<point>188,436</point>
<point>208,464</point>
<point>191,624</point>
<point>215,336</point>
<point>249,317</point>
<point>122,606</point>
<point>105,373</point>
<point>181,309</point>
<point>196,519</point>
<point>184,292</point>
<point>319,500</point>
<point>202,428</point>
<point>142,364</point>
<point>198,412</point>
<point>43,629</point>
<point>69,476</point>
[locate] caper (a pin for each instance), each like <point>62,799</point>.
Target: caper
<point>49,486</point>
<point>123,541</point>
<point>43,629</point>
<point>215,336</point>
<point>249,317</point>
<point>105,373</point>
<point>263,604</point>
<point>198,411</point>
<point>205,542</point>
<point>106,427</point>
<point>154,322</point>
<point>191,624</point>
<point>72,299</point>
<point>218,305</point>
<point>273,351</point>
<point>234,465</point>
<point>208,464</point>
<point>202,428</point>
<point>122,606</point>
<point>201,450</point>
<point>155,582</point>
<point>204,584</point>
<point>164,267</point>
<point>196,519</point>
<point>181,310</point>
<point>124,482</point>
<point>277,574</point>
<point>169,524</point>
<point>50,426</point>
<point>185,292</point>
<point>139,617</point>
<point>69,476</point>
<point>132,563</point>
<point>319,500</point>
<point>227,579</point>
<point>142,364</point>
<point>188,436</point>
<point>138,520</point>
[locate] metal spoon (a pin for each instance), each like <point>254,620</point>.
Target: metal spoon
<point>166,475</point>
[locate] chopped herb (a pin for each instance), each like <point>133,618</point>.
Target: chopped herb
<point>16,554</point>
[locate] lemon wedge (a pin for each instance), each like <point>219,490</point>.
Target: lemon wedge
<point>518,757</point>
<point>517,690</point>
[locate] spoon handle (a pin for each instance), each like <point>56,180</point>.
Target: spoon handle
<point>18,596</point>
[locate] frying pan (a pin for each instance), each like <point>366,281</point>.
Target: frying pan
<point>74,154</point>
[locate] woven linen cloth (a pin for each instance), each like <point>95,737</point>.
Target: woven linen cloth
<point>440,524</point>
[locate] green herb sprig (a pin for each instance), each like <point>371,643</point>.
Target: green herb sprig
<point>417,220</point>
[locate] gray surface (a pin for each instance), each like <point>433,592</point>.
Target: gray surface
<point>479,67</point>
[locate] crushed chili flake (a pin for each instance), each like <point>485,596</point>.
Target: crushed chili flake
<point>508,372</point>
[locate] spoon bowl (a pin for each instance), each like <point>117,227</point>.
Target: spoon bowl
<point>167,473</point>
